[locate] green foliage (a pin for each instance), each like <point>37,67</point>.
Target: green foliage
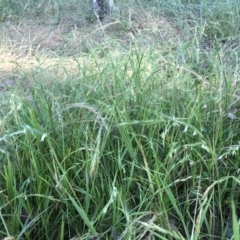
<point>132,143</point>
<point>95,155</point>
<point>48,11</point>
<point>10,8</point>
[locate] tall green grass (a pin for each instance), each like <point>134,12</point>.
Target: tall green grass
<point>135,143</point>
<point>130,149</point>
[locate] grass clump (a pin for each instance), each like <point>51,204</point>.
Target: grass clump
<point>136,138</point>
<point>124,150</point>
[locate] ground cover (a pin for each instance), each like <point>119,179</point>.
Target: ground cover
<point>122,129</point>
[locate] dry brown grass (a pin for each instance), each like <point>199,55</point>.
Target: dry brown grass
<point>29,46</point>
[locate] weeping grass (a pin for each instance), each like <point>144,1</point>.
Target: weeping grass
<point>138,143</point>
<point>128,151</point>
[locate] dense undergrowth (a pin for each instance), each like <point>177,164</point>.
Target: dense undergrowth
<point>133,143</point>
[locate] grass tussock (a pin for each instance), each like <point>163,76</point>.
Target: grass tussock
<point>129,133</point>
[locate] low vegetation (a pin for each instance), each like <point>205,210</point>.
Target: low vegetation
<point>122,129</point>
